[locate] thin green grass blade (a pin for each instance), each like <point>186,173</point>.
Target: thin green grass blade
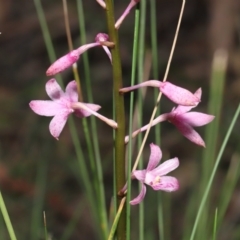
<point>141,54</point>
<point>99,172</point>
<point>215,224</point>
<point>227,189</point>
<point>153,19</point>
<point>38,201</point>
<point>115,223</point>
<point>207,190</point>
<point>73,222</point>
<point>211,131</point>
<point>129,157</point>
<point>84,172</point>
<point>7,219</point>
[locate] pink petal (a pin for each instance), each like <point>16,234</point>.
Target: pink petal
<point>57,124</point>
<point>139,175</point>
<point>85,47</point>
<point>165,167</point>
<point>155,157</point>
<point>196,119</point>
<point>108,52</point>
<point>183,109</point>
<point>54,90</point>
<point>125,13</point>
<point>45,108</point>
<point>178,95</point>
<point>83,113</point>
<point>140,197</point>
<point>101,37</point>
<point>63,63</point>
<point>167,184</point>
<point>71,91</point>
<point>189,133</point>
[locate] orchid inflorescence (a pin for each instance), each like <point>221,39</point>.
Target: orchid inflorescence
<point>62,104</point>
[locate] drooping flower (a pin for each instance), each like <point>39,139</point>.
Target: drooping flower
<point>62,105</point>
<point>72,57</point>
<point>155,176</point>
<point>178,95</point>
<point>184,121</point>
<point>126,12</point>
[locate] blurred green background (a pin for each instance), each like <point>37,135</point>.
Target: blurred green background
<point>39,173</point>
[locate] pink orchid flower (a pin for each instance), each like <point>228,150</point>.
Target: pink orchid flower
<point>62,105</point>
<point>72,57</point>
<point>176,94</point>
<point>184,121</point>
<point>154,175</point>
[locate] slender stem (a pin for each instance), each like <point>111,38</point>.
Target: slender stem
<point>141,79</point>
<point>120,115</point>
<point>129,156</point>
<point>6,218</point>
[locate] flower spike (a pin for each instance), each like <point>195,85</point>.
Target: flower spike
<point>154,175</point>
<point>176,94</point>
<point>72,57</point>
<point>62,105</point>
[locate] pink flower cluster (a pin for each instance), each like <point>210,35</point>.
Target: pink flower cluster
<point>62,104</point>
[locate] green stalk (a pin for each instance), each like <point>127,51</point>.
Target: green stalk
<point>141,56</point>
<point>133,77</point>
<point>153,19</point>
<point>38,201</point>
<point>120,115</point>
<point>215,224</point>
<point>6,218</point>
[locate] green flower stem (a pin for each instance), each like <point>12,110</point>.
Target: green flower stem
<point>130,145</point>
<point>120,115</point>
<point>6,218</point>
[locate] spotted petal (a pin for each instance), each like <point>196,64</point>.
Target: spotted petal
<point>45,108</point>
<point>57,123</point>
<point>139,174</point>
<point>183,109</point>
<point>178,95</point>
<point>189,133</point>
<point>165,167</point>
<point>71,91</point>
<point>167,184</point>
<point>140,197</point>
<point>196,119</point>
<point>54,90</point>
<point>155,157</point>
